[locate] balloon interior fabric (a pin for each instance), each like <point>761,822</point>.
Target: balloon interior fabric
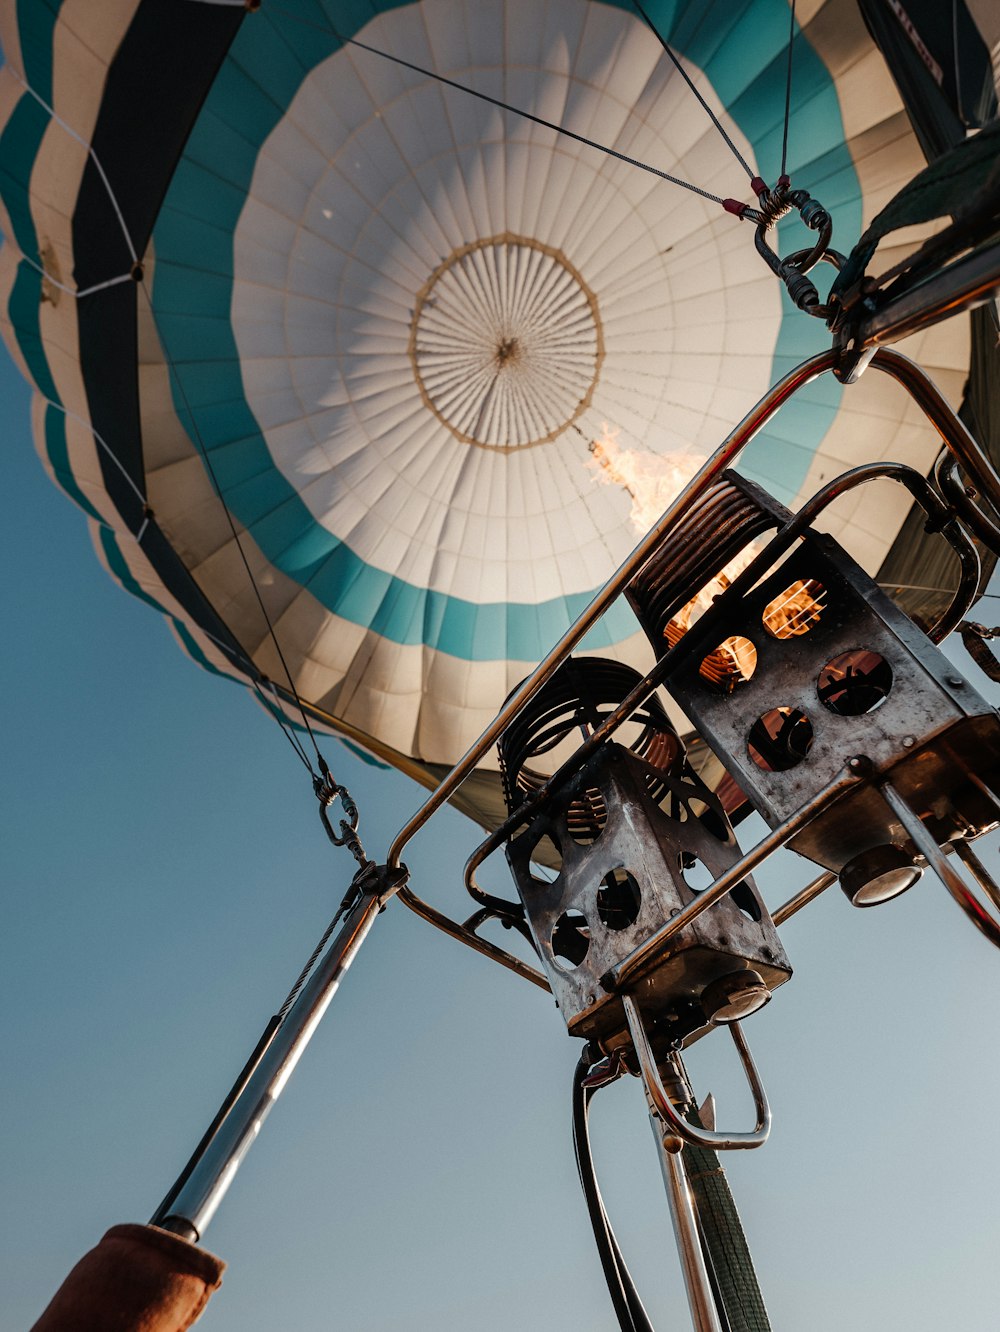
<point>398,327</point>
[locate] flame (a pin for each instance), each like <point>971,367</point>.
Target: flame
<point>652,480</point>
<point>796,610</point>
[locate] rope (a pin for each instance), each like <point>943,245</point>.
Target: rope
<point>90,152</point>
<point>537,120</point>
<point>788,90</point>
<point>202,449</point>
<point>687,79</point>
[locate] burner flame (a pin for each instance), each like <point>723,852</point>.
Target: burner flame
<point>652,481</point>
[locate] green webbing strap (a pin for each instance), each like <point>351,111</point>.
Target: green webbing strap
<point>949,186</point>
<point>726,1247</point>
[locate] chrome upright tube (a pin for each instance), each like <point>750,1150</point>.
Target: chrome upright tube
<point>198,1198</point>
<point>704,1312</point>
<point>804,896</point>
<point>956,437</point>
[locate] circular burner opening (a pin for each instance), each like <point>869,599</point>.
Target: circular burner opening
<point>780,739</point>
<point>855,683</point>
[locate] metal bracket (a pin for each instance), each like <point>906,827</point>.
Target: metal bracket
<point>682,1128</point>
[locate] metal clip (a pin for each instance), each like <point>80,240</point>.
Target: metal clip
<point>682,1128</point>
<point>328,791</point>
<point>775,204</point>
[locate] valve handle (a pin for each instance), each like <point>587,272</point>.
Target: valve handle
<point>682,1128</point>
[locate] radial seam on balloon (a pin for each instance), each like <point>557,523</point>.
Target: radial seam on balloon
<point>426,200</point>
<point>454,261</point>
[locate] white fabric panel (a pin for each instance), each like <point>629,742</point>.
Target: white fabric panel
<point>367,206</point>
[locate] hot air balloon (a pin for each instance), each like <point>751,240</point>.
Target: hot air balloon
<point>356,331</point>
<point>416,497</point>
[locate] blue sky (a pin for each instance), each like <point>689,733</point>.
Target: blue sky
<point>163,875</point>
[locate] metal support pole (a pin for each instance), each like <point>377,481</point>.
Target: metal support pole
<point>704,1312</point>
<point>940,864</point>
<point>954,433</point>
<point>200,1194</point>
<point>979,872</point>
<point>804,896</point>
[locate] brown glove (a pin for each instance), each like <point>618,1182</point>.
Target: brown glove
<point>138,1279</point>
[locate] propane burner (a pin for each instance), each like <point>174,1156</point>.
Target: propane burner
<point>815,666</point>
<point>634,836</point>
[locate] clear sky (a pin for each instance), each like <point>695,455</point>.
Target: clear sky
<point>164,874</point>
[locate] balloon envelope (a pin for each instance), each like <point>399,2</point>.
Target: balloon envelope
<point>387,321</point>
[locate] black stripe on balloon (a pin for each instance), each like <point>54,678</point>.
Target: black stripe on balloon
<point>155,88</point>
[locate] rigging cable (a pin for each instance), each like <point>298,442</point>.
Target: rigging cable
<point>273,707</point>
<point>733,206</point>
<point>788,91</point>
<point>690,83</point>
<point>632,1317</point>
<point>206,459</point>
<point>135,275</point>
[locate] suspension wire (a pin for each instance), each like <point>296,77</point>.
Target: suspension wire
<point>206,458</point>
<point>788,89</point>
<point>61,286</point>
<point>690,83</point>
<point>103,444</point>
<point>136,275</point>
<point>349,899</point>
<point>528,115</point>
<point>90,153</point>
<point>273,709</point>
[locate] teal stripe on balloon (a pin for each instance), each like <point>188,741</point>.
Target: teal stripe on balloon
<point>19,146</point>
<point>57,449</point>
<point>193,287</point>
<point>119,568</point>
<point>35,25</point>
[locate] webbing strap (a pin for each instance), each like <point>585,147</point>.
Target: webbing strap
<point>950,186</point>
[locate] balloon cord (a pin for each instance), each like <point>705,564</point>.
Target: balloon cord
<point>515,110</point>
<point>206,458</point>
<point>690,83</point>
<point>788,89</point>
